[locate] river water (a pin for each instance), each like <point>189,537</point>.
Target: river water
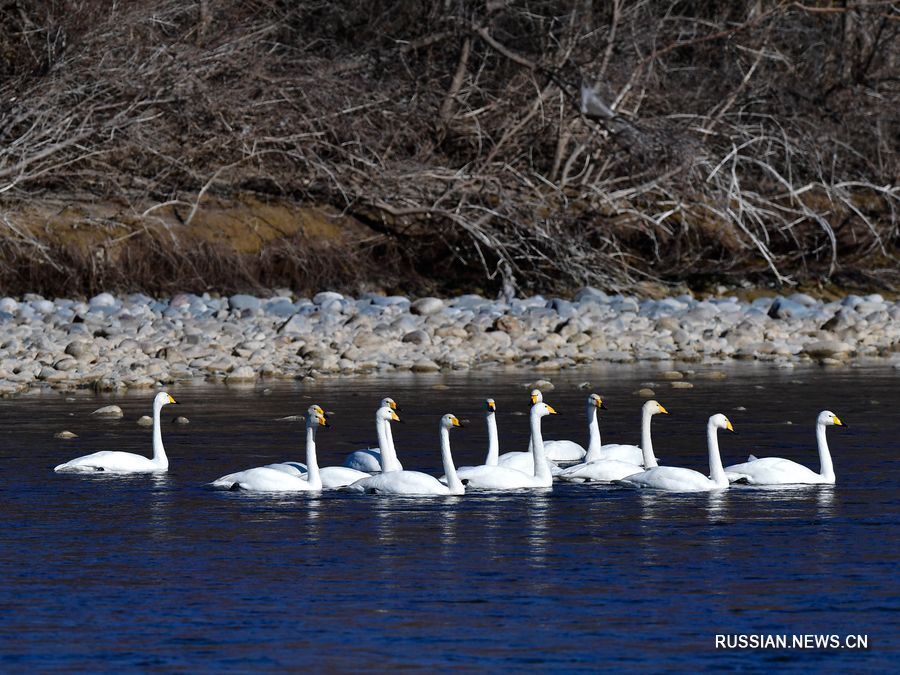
<point>163,573</point>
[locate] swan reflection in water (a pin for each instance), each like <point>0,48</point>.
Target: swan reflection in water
<point>538,516</point>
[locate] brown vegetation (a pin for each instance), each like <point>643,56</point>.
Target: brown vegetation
<point>491,144</point>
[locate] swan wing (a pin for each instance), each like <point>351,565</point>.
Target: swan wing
<point>262,479</point>
<point>670,479</point>
<point>774,471</point>
<point>622,452</point>
<point>368,460</point>
<point>109,460</point>
<point>564,451</point>
<point>340,476</point>
<point>292,468</point>
<point>400,483</point>
<point>600,471</point>
<point>491,477</point>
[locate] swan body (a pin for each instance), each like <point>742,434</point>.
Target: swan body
<point>417,483</point>
<point>779,471</point>
<point>332,476</point>
<point>278,477</point>
<point>293,468</point>
<point>369,460</point>
<point>524,461</point>
<point>114,461</point>
<point>678,479</point>
<point>598,471</point>
<point>504,478</point>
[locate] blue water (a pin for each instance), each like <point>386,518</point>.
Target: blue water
<point>161,573</point>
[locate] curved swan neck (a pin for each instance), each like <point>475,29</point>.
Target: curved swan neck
<point>646,443</point>
<point>159,452</point>
<point>594,443</point>
<point>493,453</point>
<point>826,468</point>
<point>716,470</point>
<point>453,482</point>
<point>541,470</point>
<point>312,462</point>
<point>386,446</point>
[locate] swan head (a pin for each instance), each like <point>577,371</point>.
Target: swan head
<point>490,405</point>
<point>828,418</point>
<point>536,396</point>
<point>541,409</point>
<point>597,402</point>
<point>387,413</point>
<point>719,421</point>
<point>654,408</point>
<point>316,416</point>
<point>449,421</point>
<point>163,398</point>
<point>390,403</point>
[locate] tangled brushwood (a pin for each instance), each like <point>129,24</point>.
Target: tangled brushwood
<point>491,145</point>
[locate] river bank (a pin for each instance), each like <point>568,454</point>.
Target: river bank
<point>136,341</point>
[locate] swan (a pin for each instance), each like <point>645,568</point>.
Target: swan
<point>678,479</point>
<point>415,482</point>
<point>632,454</point>
<point>524,461</point>
<point>369,460</point>
<point>126,462</point>
<point>778,471</point>
<point>503,477</point>
<point>493,439</point>
<point>268,479</point>
<point>569,451</point>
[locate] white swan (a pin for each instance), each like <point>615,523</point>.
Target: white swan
<point>268,479</point>
<point>369,460</point>
<point>493,439</point>
<point>570,451</point>
<point>623,452</point>
<point>416,483</point>
<point>778,471</point>
<point>127,462</point>
<point>486,477</point>
<point>677,479</point>
<point>524,461</point>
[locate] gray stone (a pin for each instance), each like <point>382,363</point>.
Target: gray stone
<point>109,411</point>
<point>427,306</point>
<point>241,302</point>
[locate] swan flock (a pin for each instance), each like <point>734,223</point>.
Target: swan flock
<point>378,470</point>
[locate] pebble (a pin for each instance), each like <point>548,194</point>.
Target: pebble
<point>65,435</point>
<point>182,420</point>
<point>682,385</point>
<point>145,421</point>
<point>646,392</point>
<point>114,342</point>
<point>110,411</point>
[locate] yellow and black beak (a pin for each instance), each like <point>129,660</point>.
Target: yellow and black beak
<point>534,399</point>
<point>600,404</point>
<point>455,421</point>
<point>323,421</point>
<point>394,405</point>
<point>838,422</point>
<point>729,427</point>
<point>171,400</point>
<point>551,410</point>
<point>666,412</point>
<point>395,417</point>
<point>491,405</point>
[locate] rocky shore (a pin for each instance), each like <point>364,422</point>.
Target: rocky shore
<point>135,341</point>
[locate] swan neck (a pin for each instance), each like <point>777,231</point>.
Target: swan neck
<point>493,453</point>
<point>312,462</point>
<point>159,451</point>
<point>453,482</point>
<point>646,442</point>
<point>541,469</point>
<point>826,468</point>
<point>594,443</point>
<point>386,446</point>
<point>716,470</point>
